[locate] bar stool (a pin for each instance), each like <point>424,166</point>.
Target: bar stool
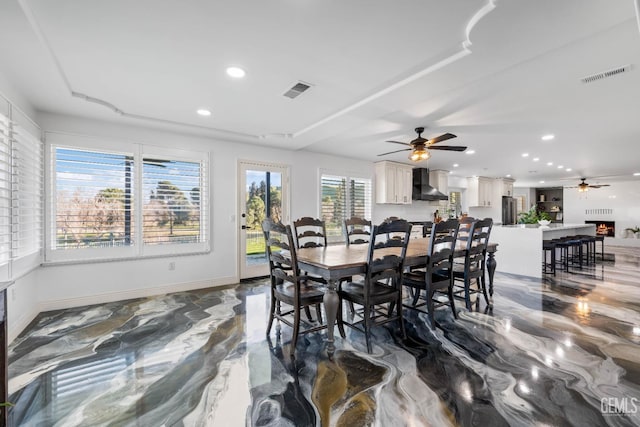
<point>549,246</point>
<point>563,247</point>
<point>599,238</point>
<point>590,243</point>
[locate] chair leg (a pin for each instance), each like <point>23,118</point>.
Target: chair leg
<point>339,320</point>
<point>308,312</point>
<point>416,295</point>
<point>367,327</point>
<point>483,283</point>
<point>319,313</point>
<point>400,318</point>
<point>431,307</point>
<point>271,311</point>
<point>452,301</point>
<point>296,329</point>
<point>467,297</point>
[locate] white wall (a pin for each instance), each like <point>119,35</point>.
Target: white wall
<point>61,286</point>
<point>622,197</point>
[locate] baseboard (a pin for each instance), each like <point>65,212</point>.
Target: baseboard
<point>134,293</point>
<point>15,328</point>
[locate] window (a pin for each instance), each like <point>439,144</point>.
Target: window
<point>172,212</point>
<point>343,197</point>
<point>142,201</point>
<point>93,199</point>
<point>21,185</point>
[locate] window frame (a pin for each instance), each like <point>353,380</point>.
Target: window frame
<point>137,250</point>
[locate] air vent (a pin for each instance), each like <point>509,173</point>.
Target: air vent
<point>296,90</point>
<point>610,73</point>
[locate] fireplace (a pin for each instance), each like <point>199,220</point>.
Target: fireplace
<point>604,228</point>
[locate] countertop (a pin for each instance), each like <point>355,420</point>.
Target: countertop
<point>552,226</point>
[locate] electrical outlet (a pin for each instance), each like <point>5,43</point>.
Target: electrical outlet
<point>172,265</point>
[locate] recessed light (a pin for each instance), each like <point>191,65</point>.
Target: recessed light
<point>636,174</point>
<point>455,165</point>
<point>560,167</point>
<point>508,175</point>
<point>535,159</point>
<point>568,169</point>
<point>236,72</point>
<point>548,137</point>
<point>525,154</point>
<point>541,182</point>
<point>204,112</point>
<point>550,164</point>
<point>471,151</point>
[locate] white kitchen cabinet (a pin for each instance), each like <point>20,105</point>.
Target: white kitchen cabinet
<point>480,192</point>
<point>393,183</point>
<point>507,187</point>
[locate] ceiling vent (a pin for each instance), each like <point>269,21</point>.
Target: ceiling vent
<point>296,90</point>
<point>610,73</point>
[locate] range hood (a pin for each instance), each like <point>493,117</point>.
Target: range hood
<point>421,188</point>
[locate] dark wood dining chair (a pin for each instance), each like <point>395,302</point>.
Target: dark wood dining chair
<point>437,275</point>
<point>288,285</point>
<point>357,230</point>
<point>382,283</point>
<point>474,266</point>
<point>310,232</point>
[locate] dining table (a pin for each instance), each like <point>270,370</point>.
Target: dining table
<point>337,262</point>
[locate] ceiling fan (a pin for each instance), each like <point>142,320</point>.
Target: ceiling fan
<point>585,186</point>
<point>420,146</point>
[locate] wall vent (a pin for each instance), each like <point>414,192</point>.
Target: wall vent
<point>603,75</point>
<point>296,90</point>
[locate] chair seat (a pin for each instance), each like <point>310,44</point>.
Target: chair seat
<point>355,291</point>
<point>308,294</point>
<point>418,280</point>
<point>459,271</point>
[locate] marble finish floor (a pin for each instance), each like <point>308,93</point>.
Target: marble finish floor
<point>553,352</point>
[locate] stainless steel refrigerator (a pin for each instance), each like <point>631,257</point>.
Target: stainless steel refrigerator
<point>509,210</point>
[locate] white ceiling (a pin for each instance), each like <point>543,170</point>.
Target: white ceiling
<point>499,74</point>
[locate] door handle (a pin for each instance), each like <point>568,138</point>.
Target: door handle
<point>244,227</point>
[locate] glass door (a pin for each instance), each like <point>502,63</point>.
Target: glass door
<point>263,193</point>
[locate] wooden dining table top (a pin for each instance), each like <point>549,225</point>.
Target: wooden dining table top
<point>336,257</point>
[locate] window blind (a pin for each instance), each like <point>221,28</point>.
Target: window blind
<point>27,188</point>
<point>5,191</point>
<point>343,197</point>
<point>94,194</point>
<point>174,201</point>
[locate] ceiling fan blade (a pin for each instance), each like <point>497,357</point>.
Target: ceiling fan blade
<point>441,138</point>
<point>599,185</point>
<point>397,151</point>
<point>447,147</point>
<point>398,142</point>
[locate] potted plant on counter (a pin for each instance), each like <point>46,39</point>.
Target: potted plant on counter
<point>533,216</point>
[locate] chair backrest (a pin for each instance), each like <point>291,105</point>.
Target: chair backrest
<point>442,243</point>
<point>464,227</point>
<point>357,230</point>
<point>310,232</point>
<point>387,251</point>
<point>281,252</point>
<point>476,248</point>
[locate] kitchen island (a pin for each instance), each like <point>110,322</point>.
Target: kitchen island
<point>521,245</point>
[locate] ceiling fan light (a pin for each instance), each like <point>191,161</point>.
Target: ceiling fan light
<point>419,154</point>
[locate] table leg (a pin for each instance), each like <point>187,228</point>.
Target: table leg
<point>331,303</point>
<point>491,267</point>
